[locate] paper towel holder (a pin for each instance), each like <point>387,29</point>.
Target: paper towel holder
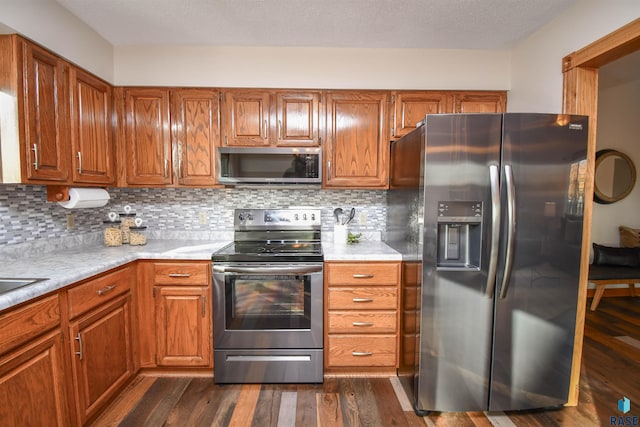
<point>57,193</point>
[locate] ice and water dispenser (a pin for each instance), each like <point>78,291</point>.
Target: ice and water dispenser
<point>459,235</point>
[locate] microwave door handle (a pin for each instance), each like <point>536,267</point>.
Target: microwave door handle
<point>268,270</point>
<point>494,181</point>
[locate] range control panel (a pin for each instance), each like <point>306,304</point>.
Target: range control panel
<point>277,218</point>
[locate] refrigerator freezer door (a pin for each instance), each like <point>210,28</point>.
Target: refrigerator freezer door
<point>535,313</point>
<point>456,313</point>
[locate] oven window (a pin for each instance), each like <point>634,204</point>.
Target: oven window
<point>268,302</point>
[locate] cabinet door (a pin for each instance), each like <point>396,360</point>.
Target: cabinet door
<point>103,355</point>
<point>147,136</point>
<point>298,118</point>
<point>357,146</point>
<point>33,384</point>
<point>245,117</point>
<point>195,135</point>
<point>411,107</point>
<point>46,132</point>
<point>480,102</point>
<point>183,326</point>
<point>91,129</point>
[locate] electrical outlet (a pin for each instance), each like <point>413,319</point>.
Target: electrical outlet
<point>71,221</point>
<point>202,217</point>
<point>362,218</point>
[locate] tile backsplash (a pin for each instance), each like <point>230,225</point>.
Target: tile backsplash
<point>195,212</point>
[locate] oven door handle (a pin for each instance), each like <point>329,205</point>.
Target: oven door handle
<point>268,270</point>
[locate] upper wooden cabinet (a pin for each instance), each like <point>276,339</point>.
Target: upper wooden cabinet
<point>357,139</point>
<point>257,118</point>
<point>147,134</point>
<point>35,128</point>
<point>245,117</point>
<point>154,154</point>
<point>410,107</point>
<point>195,123</point>
<point>91,129</point>
<point>297,118</point>
<point>480,102</point>
<point>57,123</point>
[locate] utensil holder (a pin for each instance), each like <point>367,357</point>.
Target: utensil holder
<point>340,233</point>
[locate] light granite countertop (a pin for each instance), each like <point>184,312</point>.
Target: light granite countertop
<point>362,251</point>
<point>64,267</point>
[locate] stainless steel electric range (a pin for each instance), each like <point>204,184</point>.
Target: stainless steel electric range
<point>268,299</point>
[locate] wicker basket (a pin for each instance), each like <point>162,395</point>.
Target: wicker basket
<point>629,237</point>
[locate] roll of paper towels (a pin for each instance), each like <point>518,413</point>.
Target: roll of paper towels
<point>86,198</point>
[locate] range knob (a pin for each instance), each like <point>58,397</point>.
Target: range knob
<point>250,217</point>
<point>241,217</point>
<point>296,217</point>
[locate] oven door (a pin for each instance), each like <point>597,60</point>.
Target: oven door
<point>268,306</point>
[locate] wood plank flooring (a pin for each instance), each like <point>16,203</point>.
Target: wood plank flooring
<point>610,370</point>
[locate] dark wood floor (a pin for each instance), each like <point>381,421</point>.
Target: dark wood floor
<point>610,370</point>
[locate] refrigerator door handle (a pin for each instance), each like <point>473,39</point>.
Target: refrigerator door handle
<point>494,179</point>
<point>511,229</point>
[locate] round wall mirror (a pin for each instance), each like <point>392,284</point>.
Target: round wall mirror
<point>615,176</point>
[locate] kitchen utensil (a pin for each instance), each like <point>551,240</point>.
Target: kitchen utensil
<point>337,212</point>
<point>352,213</point>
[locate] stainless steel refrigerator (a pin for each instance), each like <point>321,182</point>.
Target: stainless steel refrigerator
<point>489,207</point>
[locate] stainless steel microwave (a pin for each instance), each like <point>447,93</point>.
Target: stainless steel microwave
<point>270,165</point>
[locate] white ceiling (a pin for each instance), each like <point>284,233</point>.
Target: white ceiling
<point>426,24</point>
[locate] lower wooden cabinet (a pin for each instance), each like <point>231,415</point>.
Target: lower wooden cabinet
<point>175,328</point>
<point>103,362</point>
<point>362,317</point>
<point>182,325</point>
<point>100,339</point>
<point>33,384</point>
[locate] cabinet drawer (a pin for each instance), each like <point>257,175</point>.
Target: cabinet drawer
<point>175,273</point>
<point>362,350</point>
<point>22,324</point>
<point>84,297</point>
<point>362,322</point>
<point>363,273</point>
<point>363,298</point>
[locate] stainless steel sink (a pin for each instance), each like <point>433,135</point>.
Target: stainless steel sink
<point>10,283</point>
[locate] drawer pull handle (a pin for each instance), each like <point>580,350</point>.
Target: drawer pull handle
<point>363,276</point>
<point>362,323</point>
<point>179,275</point>
<point>363,300</point>
<point>361,353</point>
<point>80,352</point>
<point>106,289</point>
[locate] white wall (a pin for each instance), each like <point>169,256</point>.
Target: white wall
<point>536,73</point>
<point>532,71</point>
<point>619,129</point>
<point>52,26</point>
<point>312,67</point>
